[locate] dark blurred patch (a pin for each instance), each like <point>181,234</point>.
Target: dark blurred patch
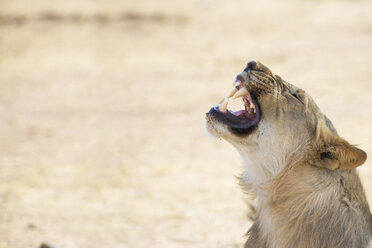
<point>97,18</point>
<point>133,16</point>
<point>12,19</point>
<point>51,17</point>
<point>31,226</point>
<point>45,245</point>
<point>101,18</point>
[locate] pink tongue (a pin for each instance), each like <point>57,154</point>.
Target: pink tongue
<point>239,113</point>
<point>243,113</point>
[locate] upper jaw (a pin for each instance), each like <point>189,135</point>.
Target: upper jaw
<point>245,78</point>
<point>260,81</point>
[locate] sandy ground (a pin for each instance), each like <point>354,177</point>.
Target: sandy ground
<point>102,103</point>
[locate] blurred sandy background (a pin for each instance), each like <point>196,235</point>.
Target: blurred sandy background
<point>102,103</point>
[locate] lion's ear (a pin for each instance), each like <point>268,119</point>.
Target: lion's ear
<point>337,153</point>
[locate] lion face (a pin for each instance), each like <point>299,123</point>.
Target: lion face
<point>279,121</point>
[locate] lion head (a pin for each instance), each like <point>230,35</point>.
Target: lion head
<point>279,124</point>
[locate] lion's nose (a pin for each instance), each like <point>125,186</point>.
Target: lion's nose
<point>251,65</point>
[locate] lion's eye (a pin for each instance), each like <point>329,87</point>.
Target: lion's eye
<point>297,97</point>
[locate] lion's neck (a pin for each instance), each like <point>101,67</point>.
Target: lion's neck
<point>259,166</point>
<point>262,165</point>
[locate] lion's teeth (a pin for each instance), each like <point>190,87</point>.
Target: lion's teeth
<point>237,83</point>
<point>232,93</point>
<point>242,92</point>
<point>223,105</point>
<point>252,105</point>
<point>254,110</point>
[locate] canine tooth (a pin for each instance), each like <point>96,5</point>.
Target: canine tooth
<point>232,93</point>
<point>254,110</point>
<point>242,92</point>
<point>237,83</point>
<point>223,105</point>
<point>252,106</point>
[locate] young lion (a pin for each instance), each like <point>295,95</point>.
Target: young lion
<point>301,172</point>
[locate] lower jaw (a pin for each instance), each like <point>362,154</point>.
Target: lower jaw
<point>243,131</point>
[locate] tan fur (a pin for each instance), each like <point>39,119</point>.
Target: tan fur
<point>301,172</point>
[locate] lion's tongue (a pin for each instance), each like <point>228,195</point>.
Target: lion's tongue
<point>243,113</point>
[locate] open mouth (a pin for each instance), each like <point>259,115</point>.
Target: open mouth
<point>242,121</point>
